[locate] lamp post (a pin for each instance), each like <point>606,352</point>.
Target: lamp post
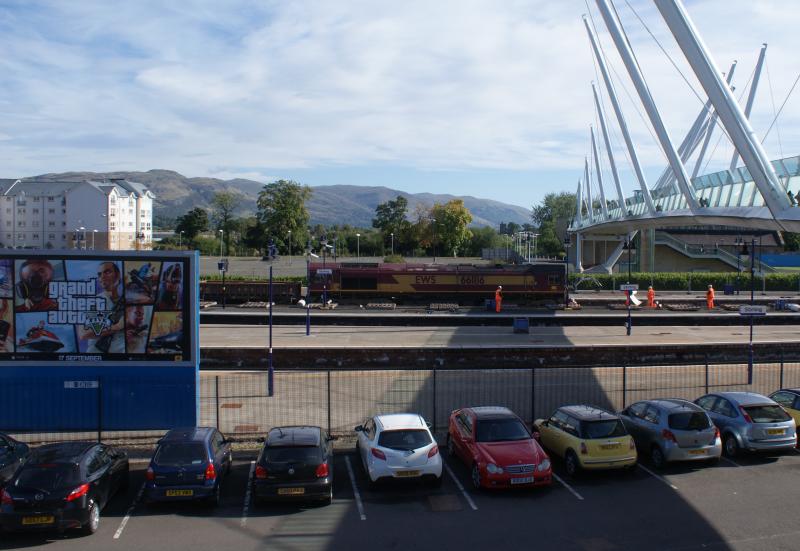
<point>433,224</point>
<point>290,246</point>
<point>93,232</point>
<point>752,301</point>
<point>392,234</point>
<point>358,246</point>
<point>222,267</point>
<point>221,241</point>
<point>180,239</point>
<point>83,236</point>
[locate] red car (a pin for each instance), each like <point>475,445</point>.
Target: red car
<point>498,448</point>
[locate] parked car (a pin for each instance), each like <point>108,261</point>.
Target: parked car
<point>12,455</point>
<point>789,399</point>
<point>498,448</point>
<point>672,430</point>
<point>750,421</point>
<point>63,486</point>
<point>398,446</point>
<point>295,463</point>
<point>587,437</point>
<point>188,464</point>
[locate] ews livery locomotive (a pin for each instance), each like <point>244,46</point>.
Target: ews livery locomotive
<point>527,283</point>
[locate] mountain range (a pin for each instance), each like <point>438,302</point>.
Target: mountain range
<point>337,204</point>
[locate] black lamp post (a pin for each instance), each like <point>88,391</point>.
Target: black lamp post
<point>628,326</point>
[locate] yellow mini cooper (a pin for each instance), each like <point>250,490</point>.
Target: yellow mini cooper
<point>588,438</point>
<point>789,398</point>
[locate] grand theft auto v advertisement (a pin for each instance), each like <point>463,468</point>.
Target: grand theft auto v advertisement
<point>105,307</point>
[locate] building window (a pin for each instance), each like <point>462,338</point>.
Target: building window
<point>20,236</point>
<point>50,199</point>
<point>8,236</point>
<point>113,212</point>
<point>35,211</point>
<point>20,211</point>
<point>8,222</point>
<point>35,199</point>
<point>8,211</point>
<point>63,211</point>
<point>51,211</point>
<point>113,226</point>
<point>63,223</point>
<point>20,223</point>
<point>8,199</point>
<point>51,224</point>
<point>130,224</point>
<point>36,236</point>
<point>51,236</point>
<point>35,223</point>
<point>130,201</point>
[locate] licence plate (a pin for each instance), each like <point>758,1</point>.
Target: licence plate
<point>609,446</point>
<point>775,431</point>
<point>28,521</point>
<point>180,493</point>
<point>407,473</point>
<point>697,452</point>
<point>291,491</point>
<point>522,480</point>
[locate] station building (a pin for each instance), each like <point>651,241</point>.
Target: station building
<point>39,213</point>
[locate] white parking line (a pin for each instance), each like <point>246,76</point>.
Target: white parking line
<point>248,494</point>
<point>568,487</point>
<point>128,514</point>
<point>460,486</point>
<point>731,461</point>
<point>355,489</point>
<point>658,477</point>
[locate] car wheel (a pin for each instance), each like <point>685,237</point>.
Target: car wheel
<point>571,463</point>
<point>328,498</point>
<point>451,448</point>
<point>94,519</point>
<point>730,445</point>
<point>657,456</point>
<point>435,482</point>
<point>216,497</point>
<point>476,477</point>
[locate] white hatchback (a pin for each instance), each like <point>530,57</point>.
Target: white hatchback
<point>398,445</point>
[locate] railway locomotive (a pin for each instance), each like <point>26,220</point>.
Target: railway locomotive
<point>541,282</point>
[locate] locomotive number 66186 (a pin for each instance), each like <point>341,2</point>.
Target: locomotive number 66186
<point>471,280</point>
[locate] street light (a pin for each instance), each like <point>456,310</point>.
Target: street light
<point>221,241</point>
<point>290,246</point>
<point>180,239</point>
<point>392,243</point>
<point>93,232</point>
<point>358,246</point>
<point>433,224</point>
<point>83,232</point>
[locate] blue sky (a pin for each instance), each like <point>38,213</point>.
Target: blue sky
<point>482,98</point>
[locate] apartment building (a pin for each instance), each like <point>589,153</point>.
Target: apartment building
<point>52,214</point>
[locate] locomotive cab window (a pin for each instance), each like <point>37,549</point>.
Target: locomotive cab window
<point>553,279</point>
<point>360,283</point>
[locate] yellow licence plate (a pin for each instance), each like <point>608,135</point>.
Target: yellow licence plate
<point>774,431</point>
<point>407,473</point>
<point>180,493</point>
<point>697,452</point>
<point>27,521</point>
<point>291,491</point>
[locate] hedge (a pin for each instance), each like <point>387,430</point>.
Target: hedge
<point>679,281</point>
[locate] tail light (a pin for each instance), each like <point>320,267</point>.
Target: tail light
<point>322,470</point>
<point>378,453</point>
<point>632,445</point>
<point>211,473</point>
<point>746,415</point>
<point>150,475</point>
<point>80,491</point>
<point>433,451</point>
<point>5,499</point>
<point>667,434</point>
<point>584,451</point>
<point>716,435</point>
<point>261,472</point>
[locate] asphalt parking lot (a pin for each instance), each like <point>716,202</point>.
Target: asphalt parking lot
<point>747,504</point>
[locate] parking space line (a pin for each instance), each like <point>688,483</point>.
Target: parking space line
<point>355,488</point>
<point>568,487</point>
<point>128,513</point>
<point>248,494</point>
<point>460,486</point>
<point>731,461</point>
<point>658,477</point>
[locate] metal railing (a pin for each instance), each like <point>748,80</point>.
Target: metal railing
<point>663,238</point>
<point>337,399</point>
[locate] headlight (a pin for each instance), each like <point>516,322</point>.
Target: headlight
<point>494,469</point>
<point>544,465</point>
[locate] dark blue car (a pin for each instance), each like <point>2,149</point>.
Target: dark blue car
<point>188,464</point>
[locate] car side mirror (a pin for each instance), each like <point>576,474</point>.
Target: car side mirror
<point>359,428</point>
<point>545,423</point>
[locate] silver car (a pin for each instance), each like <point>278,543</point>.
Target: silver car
<point>750,421</point>
<point>672,430</point>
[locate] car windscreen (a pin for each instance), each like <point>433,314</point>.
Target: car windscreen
<point>689,420</point>
<point>293,454</point>
<point>609,428</point>
<point>409,439</point>
<point>766,414</point>
<point>48,476</point>
<point>501,430</point>
<point>180,453</point>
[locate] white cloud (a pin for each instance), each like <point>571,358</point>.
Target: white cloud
<point>226,88</point>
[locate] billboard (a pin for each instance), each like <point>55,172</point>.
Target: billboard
<point>111,307</point>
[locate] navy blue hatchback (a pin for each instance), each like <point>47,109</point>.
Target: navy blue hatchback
<point>188,464</point>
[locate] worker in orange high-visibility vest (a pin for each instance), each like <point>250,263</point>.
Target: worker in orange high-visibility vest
<point>710,297</point>
<point>498,298</point>
<point>651,297</point>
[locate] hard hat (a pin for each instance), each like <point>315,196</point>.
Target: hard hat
<point>710,286</point>
<point>499,286</point>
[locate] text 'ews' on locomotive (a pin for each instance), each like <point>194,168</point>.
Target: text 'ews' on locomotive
<point>541,282</point>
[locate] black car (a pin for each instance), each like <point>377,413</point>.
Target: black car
<point>63,486</point>
<point>188,464</point>
<point>12,455</point>
<point>295,463</point>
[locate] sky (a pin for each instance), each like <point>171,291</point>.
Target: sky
<point>468,97</point>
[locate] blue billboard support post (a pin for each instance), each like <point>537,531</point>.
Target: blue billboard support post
<point>270,373</point>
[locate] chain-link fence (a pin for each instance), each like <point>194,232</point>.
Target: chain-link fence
<point>338,400</point>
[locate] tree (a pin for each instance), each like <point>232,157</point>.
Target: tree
<point>554,207</point>
<point>390,217</point>
<point>451,221</point>
<point>483,238</point>
<point>192,223</point>
<point>222,206</point>
<point>281,209</point>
